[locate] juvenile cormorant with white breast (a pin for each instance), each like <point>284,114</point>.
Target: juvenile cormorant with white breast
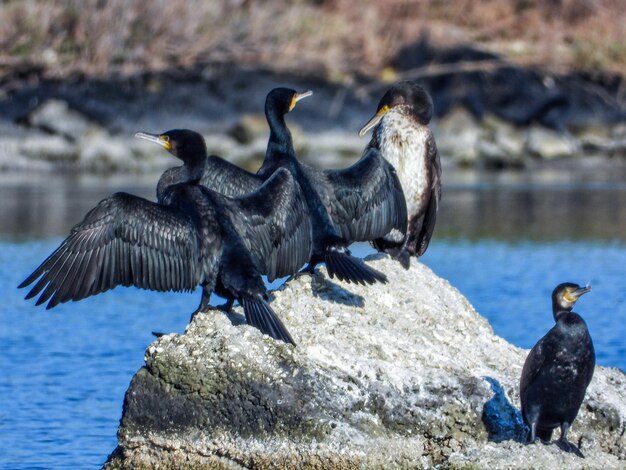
<point>402,136</point>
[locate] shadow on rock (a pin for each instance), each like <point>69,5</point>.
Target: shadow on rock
<point>502,420</point>
<point>235,318</point>
<point>325,289</point>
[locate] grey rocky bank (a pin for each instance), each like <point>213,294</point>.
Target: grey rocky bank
<point>510,117</point>
<point>402,375</point>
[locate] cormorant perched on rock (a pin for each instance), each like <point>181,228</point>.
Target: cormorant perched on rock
<point>558,370</point>
<point>192,236</point>
<point>402,136</point>
<point>360,203</point>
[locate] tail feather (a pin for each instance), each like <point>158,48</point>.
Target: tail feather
<point>350,269</point>
<point>260,315</point>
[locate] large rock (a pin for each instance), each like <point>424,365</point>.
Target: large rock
<point>458,136</point>
<point>502,145</point>
<point>335,149</point>
<point>56,117</point>
<point>546,144</point>
<point>249,128</point>
<point>50,148</point>
<point>401,375</point>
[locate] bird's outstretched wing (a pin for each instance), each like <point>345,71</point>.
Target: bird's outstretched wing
<point>275,223</point>
<point>420,235</point>
<point>124,240</point>
<point>366,200</point>
<point>228,179</point>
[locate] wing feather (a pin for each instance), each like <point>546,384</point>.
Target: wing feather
<point>366,200</point>
<point>228,179</point>
<point>430,215</point>
<point>274,222</point>
<point>124,240</point>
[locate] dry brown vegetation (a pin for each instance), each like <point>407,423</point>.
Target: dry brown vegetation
<point>334,37</point>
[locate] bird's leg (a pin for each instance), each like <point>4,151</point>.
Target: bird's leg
<point>204,302</point>
<point>227,306</point>
<point>566,445</point>
<point>308,269</point>
<point>533,418</point>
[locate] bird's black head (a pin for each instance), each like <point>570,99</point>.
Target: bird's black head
<point>282,100</point>
<point>411,96</point>
<point>187,145</point>
<point>565,295</point>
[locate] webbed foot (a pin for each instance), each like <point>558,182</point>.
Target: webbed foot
<point>308,269</point>
<point>569,447</point>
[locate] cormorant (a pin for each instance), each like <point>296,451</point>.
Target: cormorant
<point>402,136</point>
<point>359,203</point>
<point>192,236</point>
<point>558,370</point>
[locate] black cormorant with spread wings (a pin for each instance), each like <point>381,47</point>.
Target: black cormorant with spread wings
<point>558,370</point>
<point>192,236</point>
<point>360,203</point>
<point>402,136</point>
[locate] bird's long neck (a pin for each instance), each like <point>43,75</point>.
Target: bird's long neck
<point>280,145</point>
<point>189,172</point>
<point>558,311</point>
<point>193,169</point>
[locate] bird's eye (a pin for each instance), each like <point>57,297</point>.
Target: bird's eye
<point>165,139</point>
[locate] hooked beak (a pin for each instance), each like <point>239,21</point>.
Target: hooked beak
<point>298,96</point>
<point>161,140</point>
<point>583,290</point>
<point>374,121</point>
<point>575,295</point>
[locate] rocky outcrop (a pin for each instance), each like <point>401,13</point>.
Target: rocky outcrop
<point>401,375</point>
<point>61,137</point>
<point>506,117</point>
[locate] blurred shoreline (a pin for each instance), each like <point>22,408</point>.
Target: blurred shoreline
<point>504,117</point>
<point>515,84</point>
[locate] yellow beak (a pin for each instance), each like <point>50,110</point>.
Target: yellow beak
<point>374,121</point>
<point>161,140</point>
<point>297,97</point>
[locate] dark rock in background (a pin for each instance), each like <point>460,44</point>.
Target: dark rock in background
<point>517,95</point>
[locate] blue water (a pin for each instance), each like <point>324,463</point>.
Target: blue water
<point>64,372</point>
<point>499,240</point>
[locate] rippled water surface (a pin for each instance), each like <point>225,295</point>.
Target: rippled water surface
<point>504,241</point>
